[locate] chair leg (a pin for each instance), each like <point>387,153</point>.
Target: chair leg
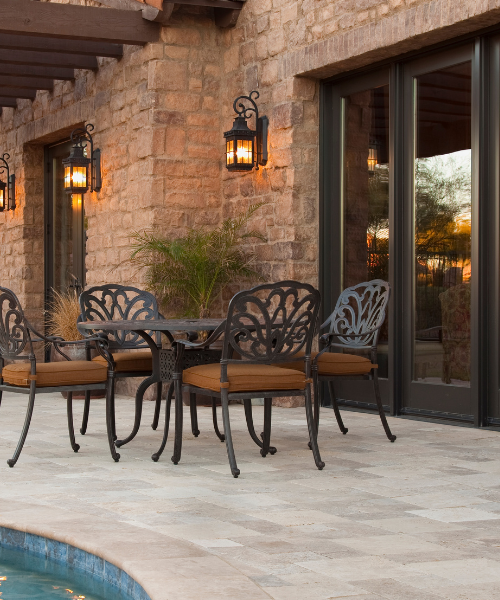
<point>220,435</point>
<point>336,410</point>
<point>86,409</point>
<point>1,398</point>
<point>178,422</point>
<point>313,434</point>
<point>266,438</point>
<point>251,429</point>
<point>170,393</point>
<point>71,430</point>
<point>29,412</point>
<point>194,415</point>
<point>139,397</point>
<point>381,412</point>
<point>227,430</point>
<point>110,428</point>
<point>156,417</point>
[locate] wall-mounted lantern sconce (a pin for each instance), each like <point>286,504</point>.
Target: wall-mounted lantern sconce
<point>82,172</point>
<point>7,189</point>
<point>246,148</point>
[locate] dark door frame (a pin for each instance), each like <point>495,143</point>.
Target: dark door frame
<point>59,150</point>
<point>485,355</point>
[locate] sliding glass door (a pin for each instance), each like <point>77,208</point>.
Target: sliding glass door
<point>359,224</point>
<point>438,106</point>
<point>410,192</point>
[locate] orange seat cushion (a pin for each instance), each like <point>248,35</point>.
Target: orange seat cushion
<point>245,378</point>
<point>141,360</point>
<point>336,364</point>
<point>73,372</point>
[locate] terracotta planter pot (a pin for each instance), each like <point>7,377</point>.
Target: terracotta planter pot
<point>75,353</point>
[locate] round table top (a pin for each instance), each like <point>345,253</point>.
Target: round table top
<point>153,325</point>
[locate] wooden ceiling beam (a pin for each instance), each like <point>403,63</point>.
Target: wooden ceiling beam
<point>44,44</point>
<point>67,21</point>
<point>34,83</point>
<point>52,59</point>
<point>62,73</point>
<point>13,92</point>
<point>8,102</point>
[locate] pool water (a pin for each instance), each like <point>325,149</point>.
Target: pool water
<point>25,576</point>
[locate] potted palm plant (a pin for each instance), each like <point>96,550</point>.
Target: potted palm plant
<point>189,274</point>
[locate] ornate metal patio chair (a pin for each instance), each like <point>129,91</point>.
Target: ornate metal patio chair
<point>24,375</point>
<point>354,325</point>
<point>130,353</point>
<point>266,326</point>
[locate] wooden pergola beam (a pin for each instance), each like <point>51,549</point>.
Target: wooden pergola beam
<point>13,92</point>
<point>44,44</point>
<point>61,73</point>
<point>49,59</point>
<point>34,83</point>
<point>8,102</point>
<point>67,21</point>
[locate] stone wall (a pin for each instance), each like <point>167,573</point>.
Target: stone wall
<point>161,111</point>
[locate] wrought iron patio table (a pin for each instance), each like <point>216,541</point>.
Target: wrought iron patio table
<point>163,364</point>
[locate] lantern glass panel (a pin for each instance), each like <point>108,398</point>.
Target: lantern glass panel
<point>229,152</point>
<point>2,196</point>
<point>244,152</point>
<point>75,177</point>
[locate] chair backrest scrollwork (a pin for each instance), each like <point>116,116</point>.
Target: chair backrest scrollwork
<point>14,330</point>
<point>359,313</point>
<point>119,302</point>
<point>272,322</point>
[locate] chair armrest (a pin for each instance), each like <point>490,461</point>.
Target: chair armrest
<point>210,340</point>
<point>327,338</point>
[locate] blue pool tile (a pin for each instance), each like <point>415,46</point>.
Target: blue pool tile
<point>127,584</point>
<point>57,551</point>
<point>112,574</point>
<point>36,544</point>
<point>95,565</point>
<point>77,558</point>
<point>12,537</point>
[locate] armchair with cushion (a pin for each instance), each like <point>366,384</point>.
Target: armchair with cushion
<point>24,375</point>
<point>354,325</point>
<point>130,353</point>
<point>265,326</point>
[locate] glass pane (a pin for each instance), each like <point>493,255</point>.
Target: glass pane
<point>366,194</point>
<point>442,195</point>
<point>62,238</point>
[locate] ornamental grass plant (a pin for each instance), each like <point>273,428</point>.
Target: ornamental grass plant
<point>188,274</point>
<point>62,314</point>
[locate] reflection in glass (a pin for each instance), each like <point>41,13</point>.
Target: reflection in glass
<point>366,194</point>
<point>442,196</point>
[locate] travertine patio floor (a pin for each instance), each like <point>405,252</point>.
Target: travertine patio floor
<point>415,520</point>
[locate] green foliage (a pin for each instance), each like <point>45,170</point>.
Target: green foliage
<point>442,189</point>
<point>188,274</point>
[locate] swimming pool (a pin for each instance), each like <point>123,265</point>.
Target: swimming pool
<point>24,576</point>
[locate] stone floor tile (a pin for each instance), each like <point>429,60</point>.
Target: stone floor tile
<point>412,525</point>
<point>394,590</point>
<point>351,569</point>
<point>456,515</point>
<point>389,544</point>
<point>466,572</point>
